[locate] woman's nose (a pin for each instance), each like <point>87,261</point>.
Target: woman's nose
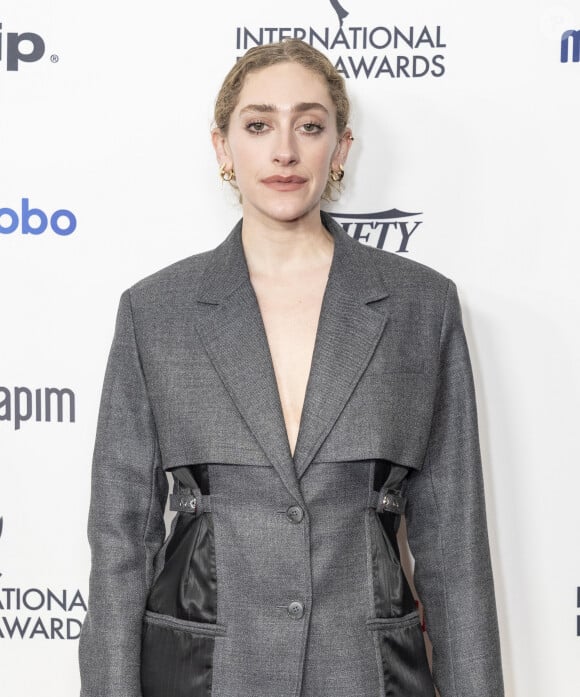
<point>285,148</point>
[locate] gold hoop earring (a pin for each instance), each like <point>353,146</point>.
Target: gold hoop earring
<point>225,175</point>
<point>337,176</point>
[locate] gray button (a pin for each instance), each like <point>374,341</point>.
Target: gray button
<point>295,513</point>
<point>296,610</point>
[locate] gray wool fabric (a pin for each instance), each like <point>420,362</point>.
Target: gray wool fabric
<point>190,380</point>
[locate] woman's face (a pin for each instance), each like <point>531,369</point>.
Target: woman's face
<point>282,141</point>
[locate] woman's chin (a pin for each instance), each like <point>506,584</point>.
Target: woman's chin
<point>290,212</point>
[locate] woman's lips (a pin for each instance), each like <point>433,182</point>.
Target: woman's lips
<point>284,183</point>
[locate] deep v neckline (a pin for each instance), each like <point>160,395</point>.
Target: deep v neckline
<point>314,356</point>
<point>353,314</point>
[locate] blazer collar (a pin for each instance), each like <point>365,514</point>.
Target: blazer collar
<point>230,325</point>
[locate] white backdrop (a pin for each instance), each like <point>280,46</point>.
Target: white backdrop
<point>112,125</point>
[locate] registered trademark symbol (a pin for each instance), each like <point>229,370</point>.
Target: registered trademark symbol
<point>54,58</point>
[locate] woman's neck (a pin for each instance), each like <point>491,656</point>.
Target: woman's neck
<point>285,248</point>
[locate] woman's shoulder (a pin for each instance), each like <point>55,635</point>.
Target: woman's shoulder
<point>397,270</point>
<point>163,289</point>
<point>403,273</point>
<point>180,279</point>
<point>183,271</point>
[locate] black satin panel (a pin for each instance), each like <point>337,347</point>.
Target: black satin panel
<point>176,663</point>
<point>177,657</point>
<point>382,469</point>
<point>405,667</point>
<point>200,475</point>
<point>186,588</point>
<point>392,594</point>
<point>402,648</point>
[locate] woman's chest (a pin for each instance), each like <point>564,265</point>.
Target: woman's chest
<point>290,312</point>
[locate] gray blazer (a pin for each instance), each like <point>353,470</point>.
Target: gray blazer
<point>280,576</point>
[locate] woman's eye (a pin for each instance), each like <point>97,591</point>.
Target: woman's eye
<point>312,127</point>
<point>256,127</point>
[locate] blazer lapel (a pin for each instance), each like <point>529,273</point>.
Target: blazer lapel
<point>231,328</point>
<point>352,318</point>
<point>230,325</point>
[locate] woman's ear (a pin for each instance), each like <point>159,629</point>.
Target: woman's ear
<point>220,145</point>
<point>342,149</point>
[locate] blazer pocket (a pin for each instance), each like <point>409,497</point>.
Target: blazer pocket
<point>389,623</point>
<point>404,659</point>
<point>177,656</point>
<point>197,628</point>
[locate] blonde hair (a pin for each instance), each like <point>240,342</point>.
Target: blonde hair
<point>286,51</point>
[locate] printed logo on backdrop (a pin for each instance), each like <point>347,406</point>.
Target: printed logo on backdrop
<point>388,230</point>
<point>27,220</point>
<point>47,404</point>
<point>360,51</point>
<point>570,46</point>
<point>17,48</point>
<point>40,612</point>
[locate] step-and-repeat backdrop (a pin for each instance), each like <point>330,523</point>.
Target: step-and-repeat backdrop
<point>466,157</point>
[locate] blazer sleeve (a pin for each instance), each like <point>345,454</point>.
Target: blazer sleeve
<point>447,530</point>
<point>125,521</point>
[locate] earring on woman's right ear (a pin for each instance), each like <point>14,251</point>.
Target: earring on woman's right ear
<point>225,174</point>
<point>337,176</point>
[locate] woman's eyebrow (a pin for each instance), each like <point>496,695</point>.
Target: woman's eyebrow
<point>296,108</point>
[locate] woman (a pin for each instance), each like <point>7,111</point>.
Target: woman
<point>304,390</point>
